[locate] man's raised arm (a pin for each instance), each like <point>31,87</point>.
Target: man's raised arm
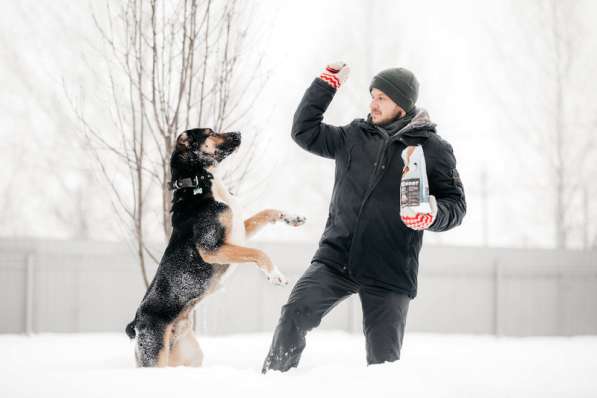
<point>308,129</point>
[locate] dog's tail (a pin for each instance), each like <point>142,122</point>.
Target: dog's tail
<point>130,329</point>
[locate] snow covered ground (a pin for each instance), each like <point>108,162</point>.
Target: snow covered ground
<point>333,365</point>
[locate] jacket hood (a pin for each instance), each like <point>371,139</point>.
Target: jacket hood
<point>419,126</point>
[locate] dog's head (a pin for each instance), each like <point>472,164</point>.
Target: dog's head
<point>202,148</point>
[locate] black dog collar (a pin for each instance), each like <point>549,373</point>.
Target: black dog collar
<point>198,183</point>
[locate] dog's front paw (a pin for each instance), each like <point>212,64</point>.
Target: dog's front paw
<point>277,278</point>
<point>293,220</point>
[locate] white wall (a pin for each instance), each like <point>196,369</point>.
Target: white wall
<point>60,286</point>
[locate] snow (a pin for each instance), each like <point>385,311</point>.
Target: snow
<point>333,364</point>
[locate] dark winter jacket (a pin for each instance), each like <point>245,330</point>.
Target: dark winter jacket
<point>364,235</point>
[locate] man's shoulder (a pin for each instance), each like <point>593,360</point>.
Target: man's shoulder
<point>437,142</point>
<point>438,150</point>
<point>359,123</point>
<point>358,129</point>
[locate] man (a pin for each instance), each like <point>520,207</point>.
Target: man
<point>367,247</point>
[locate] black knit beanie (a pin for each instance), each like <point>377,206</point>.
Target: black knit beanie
<point>399,84</point>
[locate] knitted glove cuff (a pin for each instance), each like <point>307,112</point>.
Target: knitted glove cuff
<point>330,77</point>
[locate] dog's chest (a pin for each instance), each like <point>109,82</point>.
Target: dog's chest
<point>237,233</point>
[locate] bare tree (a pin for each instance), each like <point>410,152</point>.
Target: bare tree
<point>544,105</point>
<point>170,66</point>
<point>45,163</point>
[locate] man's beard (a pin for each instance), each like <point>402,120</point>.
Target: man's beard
<point>384,121</point>
<point>376,119</point>
<point>387,120</point>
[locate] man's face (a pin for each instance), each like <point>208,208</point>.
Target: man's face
<point>383,109</point>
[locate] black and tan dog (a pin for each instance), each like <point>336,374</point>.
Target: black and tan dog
<point>208,234</point>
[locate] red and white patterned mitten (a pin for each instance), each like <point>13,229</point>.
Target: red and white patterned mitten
<point>419,221</point>
<point>335,74</point>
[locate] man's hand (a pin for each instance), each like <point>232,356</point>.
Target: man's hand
<point>335,74</point>
<point>419,221</point>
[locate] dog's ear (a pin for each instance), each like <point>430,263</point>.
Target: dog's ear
<point>182,141</point>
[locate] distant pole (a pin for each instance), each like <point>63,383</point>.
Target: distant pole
<point>484,209</point>
<point>585,224</point>
<point>496,298</point>
<point>29,293</point>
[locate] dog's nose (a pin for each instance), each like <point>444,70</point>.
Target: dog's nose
<point>235,137</point>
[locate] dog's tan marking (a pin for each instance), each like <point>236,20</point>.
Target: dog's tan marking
<point>210,144</point>
<point>225,219</point>
<point>164,353</point>
<point>231,219</point>
<point>185,350</point>
<point>255,223</point>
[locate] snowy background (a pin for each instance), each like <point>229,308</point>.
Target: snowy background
<point>509,85</point>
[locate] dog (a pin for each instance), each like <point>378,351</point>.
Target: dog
<point>208,234</point>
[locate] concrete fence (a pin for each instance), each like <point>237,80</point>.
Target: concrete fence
<point>57,286</point>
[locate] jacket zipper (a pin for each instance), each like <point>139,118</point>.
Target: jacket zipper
<point>380,156</point>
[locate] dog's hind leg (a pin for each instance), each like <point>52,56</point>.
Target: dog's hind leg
<point>269,216</point>
<point>186,351</point>
<point>152,346</point>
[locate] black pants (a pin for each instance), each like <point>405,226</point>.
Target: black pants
<point>319,290</point>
